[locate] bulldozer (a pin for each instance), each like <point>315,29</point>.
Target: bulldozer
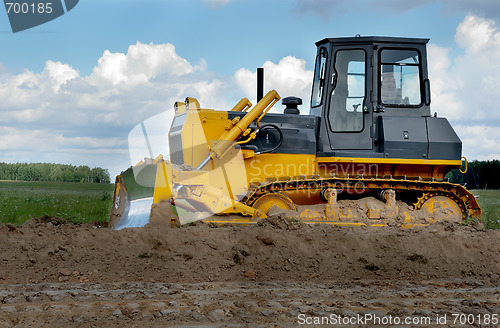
<point>368,153</point>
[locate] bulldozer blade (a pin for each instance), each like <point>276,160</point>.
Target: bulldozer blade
<point>133,197</point>
<point>136,215</point>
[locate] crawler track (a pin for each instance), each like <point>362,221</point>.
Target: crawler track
<point>427,188</point>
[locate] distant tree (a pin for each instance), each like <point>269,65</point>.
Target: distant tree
<point>479,175</point>
<point>83,173</point>
<point>52,172</point>
<point>100,175</point>
<point>56,174</point>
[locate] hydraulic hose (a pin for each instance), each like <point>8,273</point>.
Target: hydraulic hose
<point>279,143</point>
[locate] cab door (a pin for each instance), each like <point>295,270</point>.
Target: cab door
<point>349,111</point>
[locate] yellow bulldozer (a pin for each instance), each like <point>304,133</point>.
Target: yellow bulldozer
<point>368,153</point>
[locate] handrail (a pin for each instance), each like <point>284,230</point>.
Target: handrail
<point>460,169</point>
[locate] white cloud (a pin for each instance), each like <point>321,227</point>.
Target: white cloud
<point>476,34</point>
<point>289,77</point>
<point>89,117</point>
<point>58,115</point>
<point>59,74</point>
<point>445,97</point>
<point>465,89</point>
<point>480,142</point>
<point>43,139</point>
<point>141,63</point>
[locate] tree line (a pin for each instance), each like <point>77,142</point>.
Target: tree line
<point>52,172</point>
<point>479,175</point>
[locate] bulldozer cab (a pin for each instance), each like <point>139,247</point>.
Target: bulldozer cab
<point>359,81</point>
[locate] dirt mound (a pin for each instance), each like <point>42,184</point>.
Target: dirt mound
<point>56,273</point>
<point>36,222</point>
<point>51,250</point>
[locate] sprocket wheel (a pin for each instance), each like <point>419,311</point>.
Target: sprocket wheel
<point>439,207</point>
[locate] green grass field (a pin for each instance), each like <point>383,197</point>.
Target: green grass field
<point>84,202</point>
<point>489,200</point>
<point>77,202</point>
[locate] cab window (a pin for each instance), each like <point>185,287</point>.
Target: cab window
<point>348,95</point>
<point>319,78</point>
<point>400,82</point>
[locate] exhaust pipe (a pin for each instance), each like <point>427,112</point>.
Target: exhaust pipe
<point>260,83</point>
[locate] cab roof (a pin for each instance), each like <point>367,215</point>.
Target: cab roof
<point>372,39</point>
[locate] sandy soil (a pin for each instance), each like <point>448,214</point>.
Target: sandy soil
<point>277,273</point>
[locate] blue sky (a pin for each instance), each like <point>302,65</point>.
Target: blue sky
<point>227,36</point>
<point>73,88</point>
